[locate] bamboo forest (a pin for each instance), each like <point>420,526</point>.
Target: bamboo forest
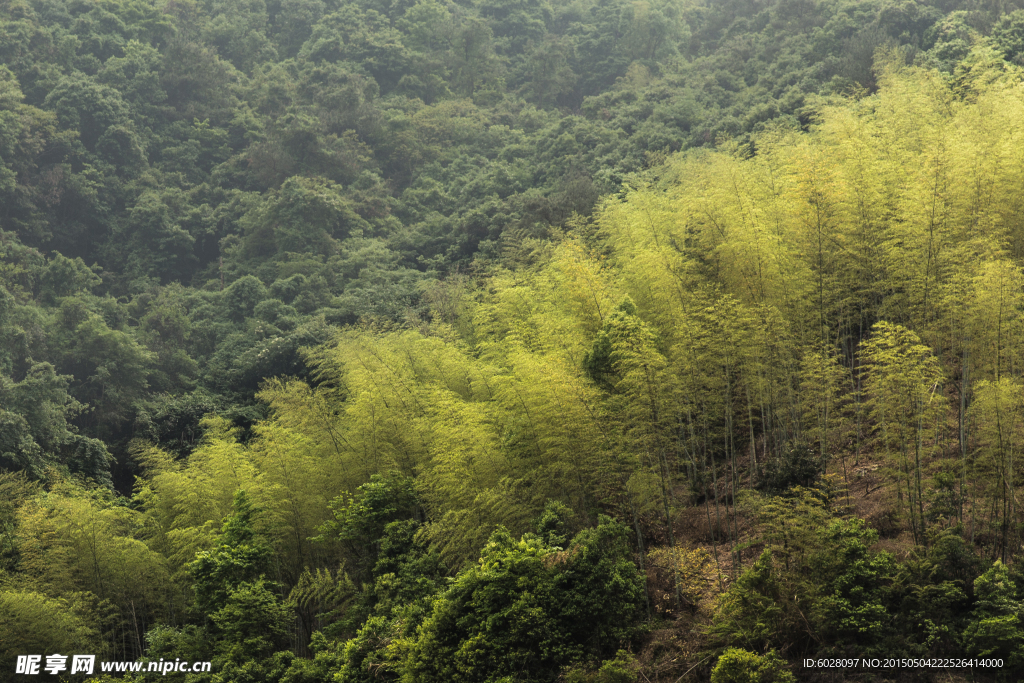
<point>512,341</point>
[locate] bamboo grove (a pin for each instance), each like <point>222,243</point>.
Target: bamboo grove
<point>844,296</point>
<point>854,292</point>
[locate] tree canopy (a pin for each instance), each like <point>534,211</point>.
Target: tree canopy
<point>437,340</point>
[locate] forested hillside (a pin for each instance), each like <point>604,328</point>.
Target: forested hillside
<point>511,340</point>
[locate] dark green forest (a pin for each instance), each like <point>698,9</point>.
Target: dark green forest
<point>513,341</point>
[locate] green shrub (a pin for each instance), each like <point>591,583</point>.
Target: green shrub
<point>740,666</point>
